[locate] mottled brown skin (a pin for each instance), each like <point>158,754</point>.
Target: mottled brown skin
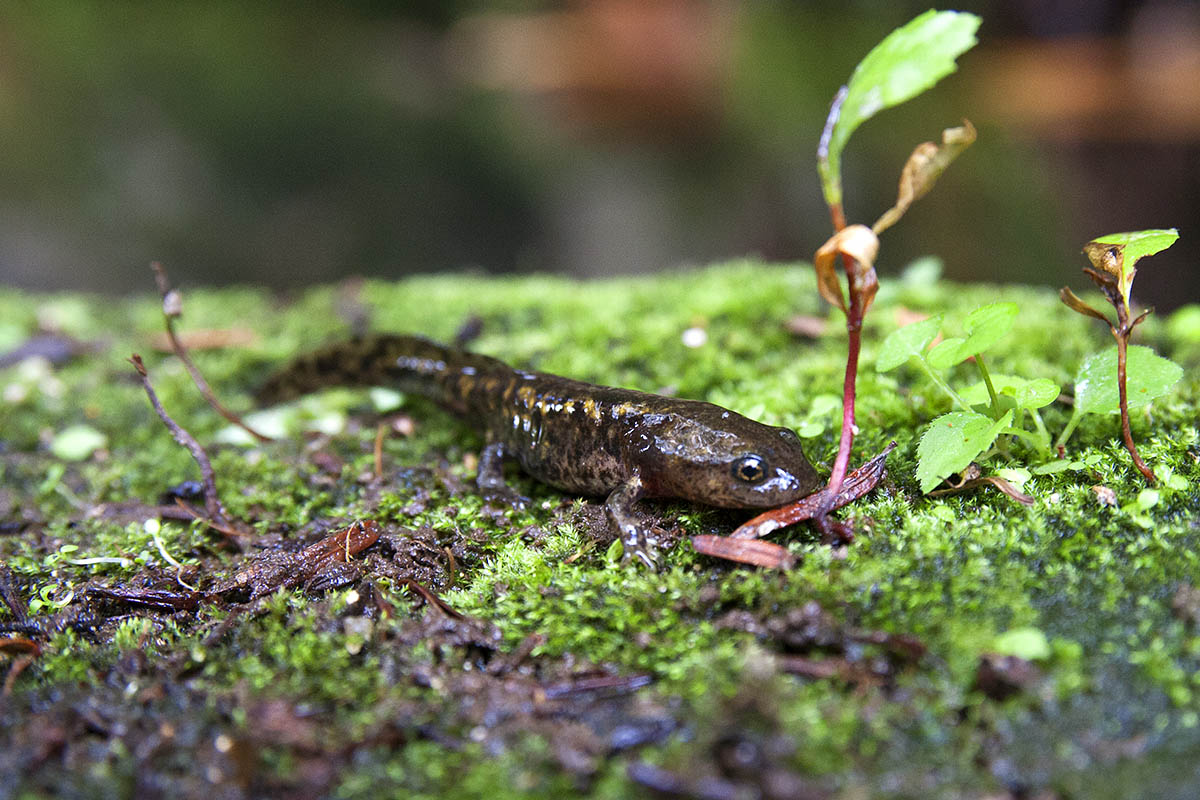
<point>579,437</point>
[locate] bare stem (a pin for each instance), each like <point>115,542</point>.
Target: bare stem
<point>1122,335</point>
<point>838,216</point>
<point>987,381</point>
<point>854,316</point>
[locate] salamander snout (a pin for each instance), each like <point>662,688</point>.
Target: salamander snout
<point>770,472</point>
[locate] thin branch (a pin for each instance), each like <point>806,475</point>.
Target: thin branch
<point>212,502</point>
<point>172,303</point>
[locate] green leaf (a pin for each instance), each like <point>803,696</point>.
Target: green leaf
<point>910,60</point>
<point>909,341</point>
<point>1118,253</point>
<point>1027,643</point>
<point>1182,326</point>
<point>946,353</point>
<point>77,443</point>
<point>1054,467</point>
<point>1032,394</point>
<point>1037,393</point>
<point>952,441</point>
<point>1148,376</point>
<point>820,415</point>
<point>1139,244</point>
<point>986,325</point>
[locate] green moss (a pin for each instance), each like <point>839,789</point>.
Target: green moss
<point>1095,581</point>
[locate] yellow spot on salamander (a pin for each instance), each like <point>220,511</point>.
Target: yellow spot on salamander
<point>528,396</point>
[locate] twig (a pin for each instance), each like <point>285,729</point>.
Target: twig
<point>212,502</point>
<point>172,304</point>
<point>379,432</point>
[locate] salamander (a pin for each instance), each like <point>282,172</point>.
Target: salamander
<point>578,437</point>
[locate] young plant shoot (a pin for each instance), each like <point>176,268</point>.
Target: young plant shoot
<point>1114,264</point>
<point>995,406</point>
<point>910,60</point>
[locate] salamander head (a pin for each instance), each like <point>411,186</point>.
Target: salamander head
<point>726,460</point>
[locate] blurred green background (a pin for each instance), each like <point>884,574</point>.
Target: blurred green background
<point>285,144</point>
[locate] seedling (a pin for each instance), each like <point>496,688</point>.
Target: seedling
<point>910,60</point>
<point>997,405</point>
<point>1114,264</point>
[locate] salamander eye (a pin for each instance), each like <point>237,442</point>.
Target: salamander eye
<point>750,469</point>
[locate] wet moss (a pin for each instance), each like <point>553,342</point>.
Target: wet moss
<point>1118,694</point>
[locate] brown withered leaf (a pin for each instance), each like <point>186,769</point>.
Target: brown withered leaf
<point>1107,257</point>
<point>926,164</point>
<point>756,552</point>
<point>1075,304</point>
<point>858,246</point>
<point>992,480</point>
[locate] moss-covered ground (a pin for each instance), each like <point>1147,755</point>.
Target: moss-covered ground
<point>964,646</point>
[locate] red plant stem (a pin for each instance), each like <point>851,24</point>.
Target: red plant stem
<point>854,317</point>
<point>1122,336</point>
<point>838,215</point>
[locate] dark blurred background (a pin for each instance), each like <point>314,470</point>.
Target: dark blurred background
<point>285,143</point>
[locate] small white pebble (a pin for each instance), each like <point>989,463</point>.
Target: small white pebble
<point>1053,499</point>
<point>695,337</point>
<point>223,743</point>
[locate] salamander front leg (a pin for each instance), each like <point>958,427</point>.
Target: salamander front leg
<point>490,477</point>
<point>639,543</point>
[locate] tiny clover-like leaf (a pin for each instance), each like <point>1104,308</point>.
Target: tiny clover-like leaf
<point>1115,256</point>
<point>857,246</point>
<point>910,60</point>
<point>1148,376</point>
<point>952,441</point>
<point>907,342</point>
<point>986,325</point>
<point>926,164</point>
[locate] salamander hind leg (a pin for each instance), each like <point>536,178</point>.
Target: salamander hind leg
<point>490,478</point>
<point>639,543</point>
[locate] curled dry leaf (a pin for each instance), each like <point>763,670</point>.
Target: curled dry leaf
<point>858,246</point>
<point>973,483</point>
<point>1109,273</point>
<point>1075,304</point>
<point>926,164</point>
